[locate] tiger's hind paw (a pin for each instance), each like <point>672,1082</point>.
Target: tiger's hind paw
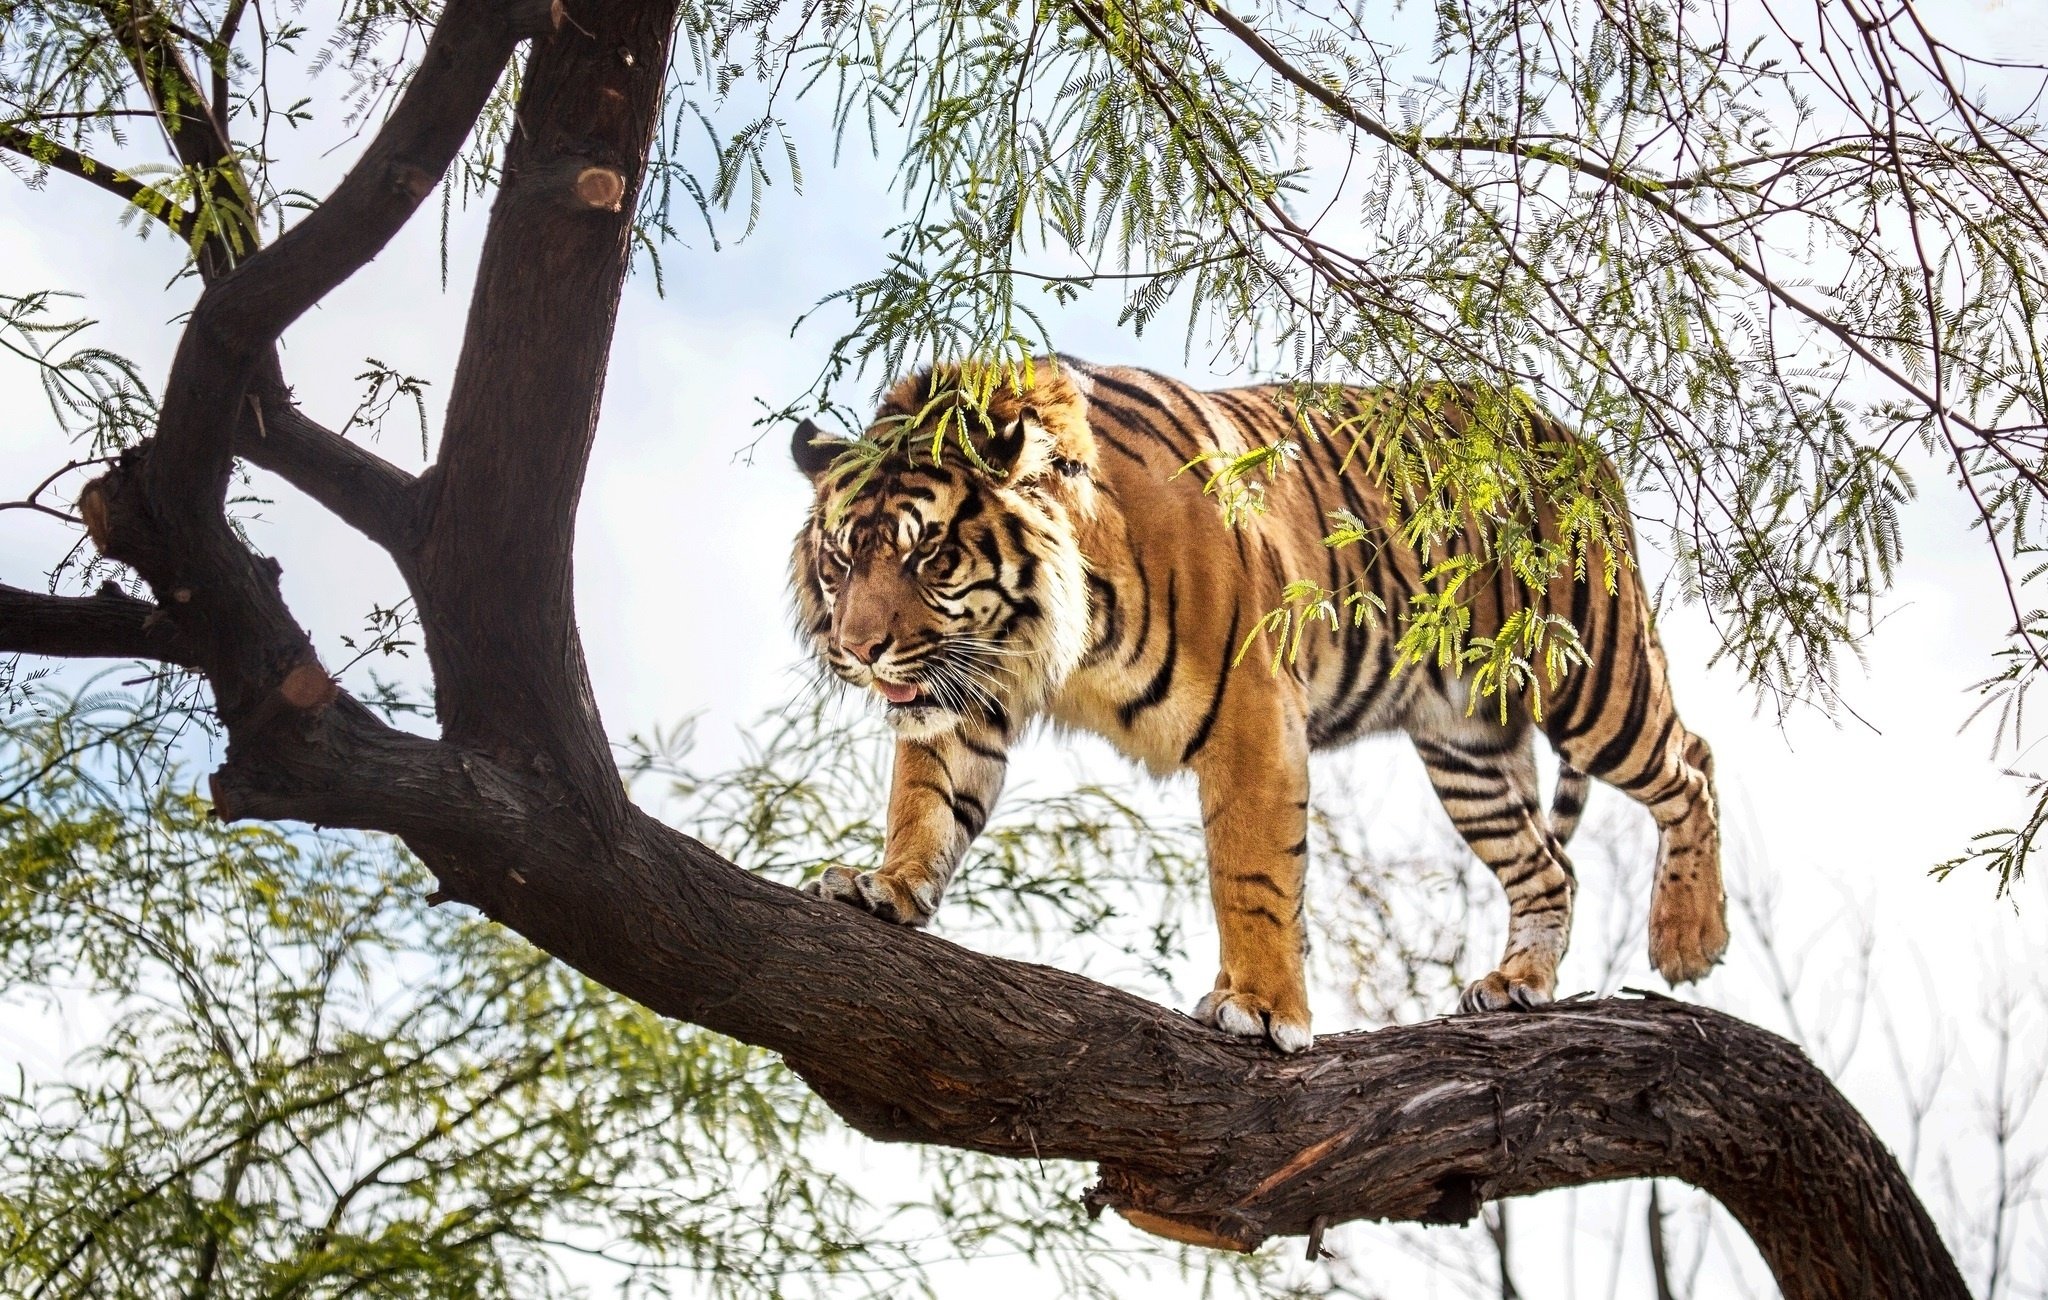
<point>1687,937</point>
<point>1499,992</point>
<point>873,893</point>
<point>1243,1015</point>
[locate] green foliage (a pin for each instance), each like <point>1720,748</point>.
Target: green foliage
<point>1239,481</point>
<point>1304,604</point>
<point>97,396</point>
<point>305,1083</point>
<point>293,1078</point>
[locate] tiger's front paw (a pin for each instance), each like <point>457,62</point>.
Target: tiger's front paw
<point>1522,983</point>
<point>886,897</point>
<point>1499,993</point>
<point>1247,1015</point>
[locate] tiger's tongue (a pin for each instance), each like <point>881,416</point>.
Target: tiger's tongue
<point>896,694</point>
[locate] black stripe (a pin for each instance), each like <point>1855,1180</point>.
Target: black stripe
<point>1595,700</point>
<point>1134,420</point>
<point>989,752</point>
<point>1315,501</point>
<point>1105,437</point>
<point>1508,821</point>
<point>1616,749</point>
<point>1144,601</point>
<point>1201,737</point>
<point>1255,418</point>
<point>932,753</point>
<point>1512,878</point>
<point>1505,740</point>
<point>1652,765</point>
<point>1261,878</point>
<point>1376,568</point>
<point>1103,601</point>
<point>1438,758</point>
<point>1500,593</point>
<point>1575,680</point>
<point>970,813</point>
<point>1262,910</point>
<point>1162,680</point>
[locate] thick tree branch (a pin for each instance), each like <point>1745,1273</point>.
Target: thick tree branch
<point>496,601</point>
<point>362,489</point>
<point>1200,1136</point>
<point>109,624</point>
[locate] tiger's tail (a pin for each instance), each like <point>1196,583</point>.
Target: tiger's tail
<point>1568,800</point>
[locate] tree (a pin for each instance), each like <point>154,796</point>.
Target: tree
<point>1117,133</point>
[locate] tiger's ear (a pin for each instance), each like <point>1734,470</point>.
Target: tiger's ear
<point>1017,450</point>
<point>813,449</point>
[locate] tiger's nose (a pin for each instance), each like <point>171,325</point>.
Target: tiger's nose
<point>866,646</point>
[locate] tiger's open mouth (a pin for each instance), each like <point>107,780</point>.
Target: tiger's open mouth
<point>898,693</point>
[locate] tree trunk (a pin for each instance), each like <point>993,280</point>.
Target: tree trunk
<point>519,810</point>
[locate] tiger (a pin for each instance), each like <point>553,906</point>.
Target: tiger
<point>1059,568</point>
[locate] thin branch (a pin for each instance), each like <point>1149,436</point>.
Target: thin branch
<point>149,200</point>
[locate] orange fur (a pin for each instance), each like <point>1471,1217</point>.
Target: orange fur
<point>1064,572</point>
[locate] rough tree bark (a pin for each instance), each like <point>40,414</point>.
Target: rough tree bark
<point>519,811</point>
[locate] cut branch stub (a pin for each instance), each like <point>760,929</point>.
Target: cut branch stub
<point>578,184</point>
<point>221,602</point>
<point>600,187</point>
<point>307,688</point>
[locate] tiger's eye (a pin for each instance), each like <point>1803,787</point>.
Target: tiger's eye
<point>940,561</point>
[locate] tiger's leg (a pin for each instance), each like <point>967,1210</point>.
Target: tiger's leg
<point>1486,777</point>
<point>1627,733</point>
<point>940,796</point>
<point>1253,770</point>
<point>1670,771</point>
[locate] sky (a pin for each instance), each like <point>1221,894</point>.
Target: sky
<point>682,556</point>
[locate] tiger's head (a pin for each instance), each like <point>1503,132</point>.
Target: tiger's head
<point>952,585</point>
